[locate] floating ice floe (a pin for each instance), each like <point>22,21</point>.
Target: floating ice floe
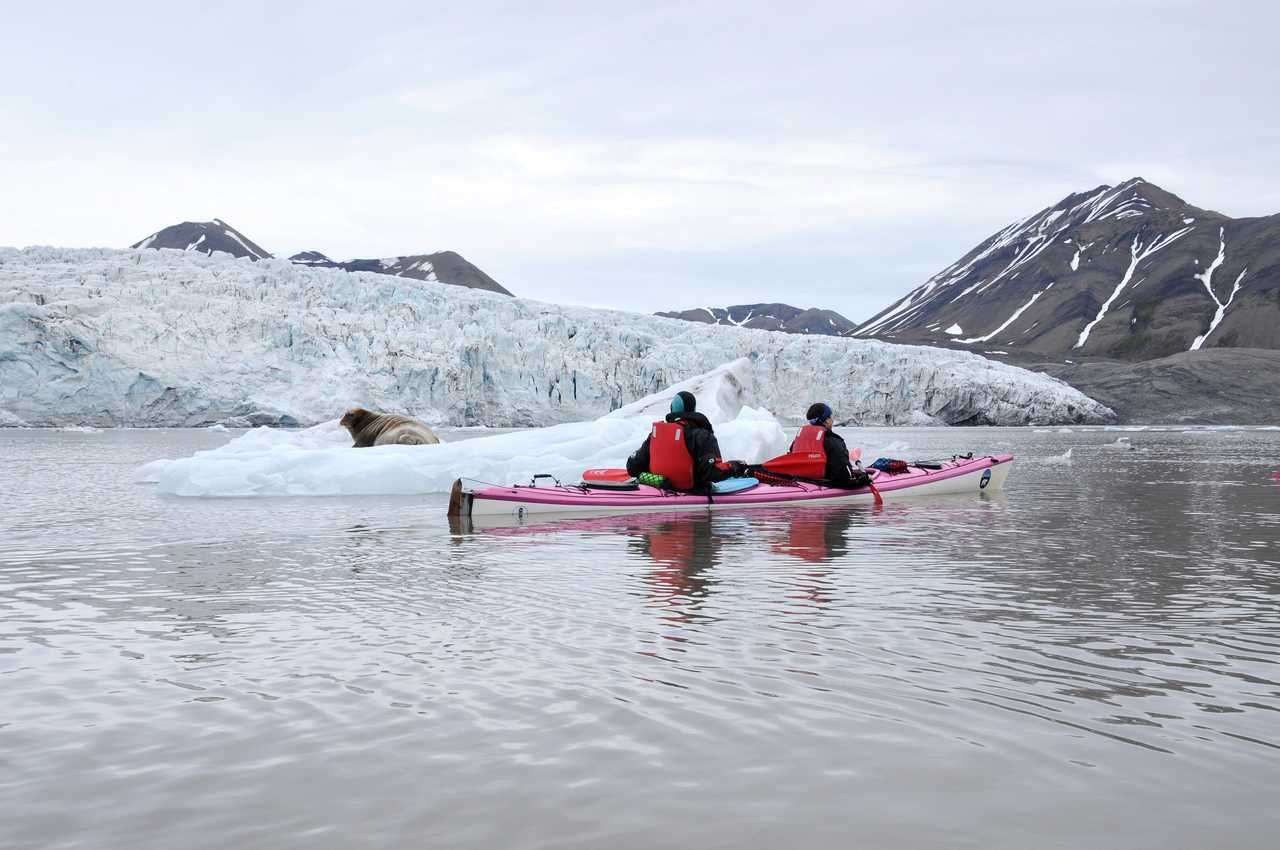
<point>319,461</point>
<point>1065,457</point>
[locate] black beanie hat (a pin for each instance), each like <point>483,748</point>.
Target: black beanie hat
<point>684,402</point>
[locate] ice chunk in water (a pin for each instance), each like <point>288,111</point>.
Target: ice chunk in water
<point>319,461</point>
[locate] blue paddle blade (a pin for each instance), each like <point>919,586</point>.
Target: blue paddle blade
<point>733,485</point>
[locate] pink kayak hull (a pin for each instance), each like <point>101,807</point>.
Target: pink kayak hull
<point>955,477</point>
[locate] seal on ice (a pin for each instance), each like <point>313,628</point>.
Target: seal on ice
<point>369,428</point>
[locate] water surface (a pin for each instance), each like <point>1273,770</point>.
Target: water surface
<point>1088,659</point>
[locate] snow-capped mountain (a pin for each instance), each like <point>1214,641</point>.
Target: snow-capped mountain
<point>88,337</point>
<point>1129,271</point>
<point>442,266</point>
<point>769,317</point>
<point>312,258</point>
<point>205,237</point>
<point>209,236</point>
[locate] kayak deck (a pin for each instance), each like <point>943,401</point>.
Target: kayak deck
<point>961,475</point>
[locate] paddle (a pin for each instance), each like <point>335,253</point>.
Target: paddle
<point>856,457</point>
<point>606,474</point>
<point>800,479</point>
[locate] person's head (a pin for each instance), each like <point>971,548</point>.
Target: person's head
<point>819,413</point>
<point>684,402</point>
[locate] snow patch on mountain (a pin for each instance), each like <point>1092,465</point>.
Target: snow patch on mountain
<point>1138,251</point>
<point>1206,278</point>
<point>162,338</point>
<point>1009,321</point>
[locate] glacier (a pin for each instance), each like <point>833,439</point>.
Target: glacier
<point>113,338</point>
<point>319,461</point>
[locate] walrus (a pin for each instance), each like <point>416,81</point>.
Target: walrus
<point>385,429</point>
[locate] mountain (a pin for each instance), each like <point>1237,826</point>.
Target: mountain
<point>1128,272</point>
<point>278,342</point>
<point>769,317</point>
<point>206,237</point>
<point>442,266</point>
<point>209,236</point>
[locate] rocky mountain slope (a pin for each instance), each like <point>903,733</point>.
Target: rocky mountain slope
<point>1130,272</point>
<point>209,236</point>
<point>769,317</point>
<point>102,337</point>
<point>442,266</point>
<point>1213,386</point>
<point>205,237</point>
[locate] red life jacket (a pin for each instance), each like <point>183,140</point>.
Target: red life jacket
<point>669,454</point>
<point>808,455</point>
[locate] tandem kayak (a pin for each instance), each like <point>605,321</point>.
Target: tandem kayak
<point>957,476</point>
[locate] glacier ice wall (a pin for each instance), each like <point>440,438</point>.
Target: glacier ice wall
<point>165,338</point>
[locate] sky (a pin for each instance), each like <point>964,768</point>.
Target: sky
<point>638,156</point>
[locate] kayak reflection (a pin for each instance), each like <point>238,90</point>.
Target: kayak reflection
<point>683,548</point>
<point>696,539</point>
<point>817,534</point>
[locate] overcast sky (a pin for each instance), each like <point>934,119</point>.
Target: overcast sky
<point>642,156</point>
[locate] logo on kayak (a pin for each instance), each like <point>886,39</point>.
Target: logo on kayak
<point>986,479</point>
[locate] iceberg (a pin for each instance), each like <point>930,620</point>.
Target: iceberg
<point>145,338</point>
<point>320,461</point>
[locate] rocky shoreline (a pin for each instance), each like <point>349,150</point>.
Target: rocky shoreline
<point>1218,386</point>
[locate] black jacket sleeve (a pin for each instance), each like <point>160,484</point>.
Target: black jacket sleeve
<point>705,450</point>
<point>639,460</point>
<point>838,471</point>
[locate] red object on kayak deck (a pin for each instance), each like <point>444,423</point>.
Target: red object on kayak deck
<point>808,455</point>
<point>606,474</point>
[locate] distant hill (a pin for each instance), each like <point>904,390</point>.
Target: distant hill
<point>1129,272</point>
<point>209,236</point>
<point>443,266</point>
<point>769,317</point>
<point>206,237</point>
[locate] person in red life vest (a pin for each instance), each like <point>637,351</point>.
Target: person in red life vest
<point>683,448</point>
<point>817,437</point>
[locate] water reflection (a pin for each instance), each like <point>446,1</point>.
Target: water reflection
<point>683,548</point>
<point>816,534</point>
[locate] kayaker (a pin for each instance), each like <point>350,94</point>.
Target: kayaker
<point>682,448</point>
<point>817,438</point>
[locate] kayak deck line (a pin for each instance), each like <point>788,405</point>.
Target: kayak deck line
<point>956,476</point>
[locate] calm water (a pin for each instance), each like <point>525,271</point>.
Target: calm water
<point>1089,659</point>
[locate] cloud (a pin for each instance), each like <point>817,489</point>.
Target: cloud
<point>838,154</point>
